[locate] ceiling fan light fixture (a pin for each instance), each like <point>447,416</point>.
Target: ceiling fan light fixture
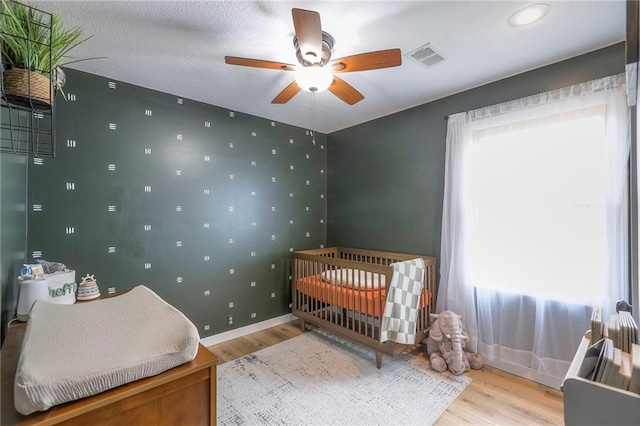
<point>529,15</point>
<point>314,78</point>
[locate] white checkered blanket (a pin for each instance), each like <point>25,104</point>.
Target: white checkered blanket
<point>400,316</point>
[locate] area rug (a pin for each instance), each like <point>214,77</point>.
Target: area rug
<point>321,379</point>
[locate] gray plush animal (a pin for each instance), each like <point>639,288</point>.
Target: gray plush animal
<point>446,345</point>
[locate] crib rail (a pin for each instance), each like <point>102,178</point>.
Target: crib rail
<point>362,255</point>
<point>354,313</point>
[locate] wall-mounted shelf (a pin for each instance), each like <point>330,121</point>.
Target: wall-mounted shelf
<point>27,126</point>
<point>27,131</point>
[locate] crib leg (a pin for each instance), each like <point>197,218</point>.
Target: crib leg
<point>303,325</point>
<point>378,359</point>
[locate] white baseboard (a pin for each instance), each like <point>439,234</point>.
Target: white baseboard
<point>525,372</point>
<point>243,331</point>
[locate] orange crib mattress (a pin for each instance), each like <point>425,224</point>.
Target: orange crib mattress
<point>368,302</point>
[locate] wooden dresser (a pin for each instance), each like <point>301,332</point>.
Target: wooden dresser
<point>184,395</point>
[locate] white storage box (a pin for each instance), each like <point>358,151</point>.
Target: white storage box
<point>62,287</point>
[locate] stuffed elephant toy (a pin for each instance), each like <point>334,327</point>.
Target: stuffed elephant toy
<point>446,345</point>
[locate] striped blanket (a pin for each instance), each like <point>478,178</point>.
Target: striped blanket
<point>400,316</point>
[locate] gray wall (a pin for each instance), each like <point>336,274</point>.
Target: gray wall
<point>390,198</point>
<point>13,230</point>
<point>249,190</point>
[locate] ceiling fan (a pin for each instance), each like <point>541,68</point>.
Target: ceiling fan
<point>316,69</point>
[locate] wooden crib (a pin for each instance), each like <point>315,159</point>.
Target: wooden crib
<point>343,290</point>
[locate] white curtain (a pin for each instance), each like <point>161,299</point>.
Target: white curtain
<point>534,229</point>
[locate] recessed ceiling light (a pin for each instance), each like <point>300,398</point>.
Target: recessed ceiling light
<point>529,15</point>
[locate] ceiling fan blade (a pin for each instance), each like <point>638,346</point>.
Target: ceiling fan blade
<point>309,33</point>
<point>368,61</point>
<point>345,91</point>
<point>285,96</point>
<point>258,63</point>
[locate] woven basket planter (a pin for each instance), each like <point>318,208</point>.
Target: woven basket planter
<point>22,86</point>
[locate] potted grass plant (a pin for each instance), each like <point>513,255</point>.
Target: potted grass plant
<point>34,45</point>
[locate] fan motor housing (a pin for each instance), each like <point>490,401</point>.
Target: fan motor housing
<point>327,46</point>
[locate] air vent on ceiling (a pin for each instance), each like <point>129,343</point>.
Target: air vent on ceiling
<point>426,55</point>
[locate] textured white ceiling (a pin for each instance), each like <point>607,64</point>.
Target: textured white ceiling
<point>178,47</point>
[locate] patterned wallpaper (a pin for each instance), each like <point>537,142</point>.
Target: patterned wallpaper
<point>199,203</point>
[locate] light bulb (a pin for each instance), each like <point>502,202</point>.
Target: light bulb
<point>314,78</point>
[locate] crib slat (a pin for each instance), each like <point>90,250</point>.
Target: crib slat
<point>366,291</point>
<point>344,314</point>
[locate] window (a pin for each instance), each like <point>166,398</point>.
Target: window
<point>537,200</point>
<point>534,223</point>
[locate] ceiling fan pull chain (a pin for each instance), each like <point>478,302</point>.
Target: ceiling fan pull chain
<point>313,117</point>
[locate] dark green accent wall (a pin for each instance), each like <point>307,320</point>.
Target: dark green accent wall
<point>183,197</point>
<point>13,229</point>
<point>391,197</point>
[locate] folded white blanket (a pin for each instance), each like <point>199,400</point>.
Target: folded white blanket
<point>74,351</point>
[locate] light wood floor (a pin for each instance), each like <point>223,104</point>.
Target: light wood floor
<point>493,397</point>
